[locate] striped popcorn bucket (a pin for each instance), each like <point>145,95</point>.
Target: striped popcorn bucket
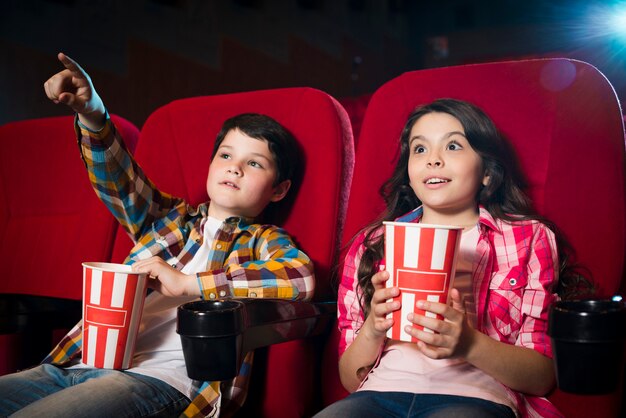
<point>113,300</point>
<point>421,261</point>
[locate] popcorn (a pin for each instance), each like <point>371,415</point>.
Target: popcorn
<point>113,300</point>
<point>421,261</point>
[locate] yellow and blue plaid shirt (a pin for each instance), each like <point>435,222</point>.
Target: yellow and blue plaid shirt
<point>245,260</point>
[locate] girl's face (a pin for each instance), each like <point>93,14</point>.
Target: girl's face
<point>444,170</point>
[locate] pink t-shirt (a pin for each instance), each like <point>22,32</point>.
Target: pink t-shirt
<point>403,368</point>
<point>513,279</point>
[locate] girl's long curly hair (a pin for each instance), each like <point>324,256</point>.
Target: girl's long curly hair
<point>503,197</point>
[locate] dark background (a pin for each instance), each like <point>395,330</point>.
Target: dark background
<point>142,54</point>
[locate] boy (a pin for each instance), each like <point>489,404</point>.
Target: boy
<point>212,251</point>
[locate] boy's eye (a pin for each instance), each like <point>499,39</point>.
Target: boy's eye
<point>255,164</point>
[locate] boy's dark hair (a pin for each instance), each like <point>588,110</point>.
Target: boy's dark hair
<point>281,142</point>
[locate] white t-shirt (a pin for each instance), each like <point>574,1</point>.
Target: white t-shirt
<point>158,350</point>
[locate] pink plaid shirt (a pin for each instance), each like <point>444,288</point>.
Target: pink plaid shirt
<point>513,282</point>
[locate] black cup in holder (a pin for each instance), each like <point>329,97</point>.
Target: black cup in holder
<point>588,344</point>
<point>211,333</point>
<point>217,334</point>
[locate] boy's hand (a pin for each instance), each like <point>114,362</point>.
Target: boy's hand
<point>379,307</point>
<point>73,87</point>
<point>453,336</point>
<point>167,280</point>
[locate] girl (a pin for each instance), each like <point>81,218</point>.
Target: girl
<point>490,356</point>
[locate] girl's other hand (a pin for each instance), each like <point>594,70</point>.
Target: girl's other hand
<point>361,355</point>
<point>453,335</point>
<point>380,306</point>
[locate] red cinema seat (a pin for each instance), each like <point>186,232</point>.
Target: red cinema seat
<point>356,107</point>
<point>175,151</point>
<point>50,222</point>
<point>564,121</point>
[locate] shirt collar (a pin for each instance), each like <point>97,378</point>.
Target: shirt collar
<point>484,217</point>
<point>232,222</point>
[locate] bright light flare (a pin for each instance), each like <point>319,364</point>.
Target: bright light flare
<point>618,21</point>
<point>606,21</point>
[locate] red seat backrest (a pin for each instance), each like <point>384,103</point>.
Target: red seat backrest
<point>175,151</point>
<point>564,121</point>
<point>356,107</point>
<point>50,218</point>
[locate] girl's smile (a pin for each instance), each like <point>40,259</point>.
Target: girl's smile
<point>436,182</point>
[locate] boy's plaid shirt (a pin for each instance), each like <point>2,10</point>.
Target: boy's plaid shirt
<point>245,260</point>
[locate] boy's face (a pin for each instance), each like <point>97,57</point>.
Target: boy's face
<point>241,177</point>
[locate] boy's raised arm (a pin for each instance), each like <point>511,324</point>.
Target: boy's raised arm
<point>115,176</point>
<point>73,87</point>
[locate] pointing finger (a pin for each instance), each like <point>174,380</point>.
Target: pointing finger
<point>71,65</point>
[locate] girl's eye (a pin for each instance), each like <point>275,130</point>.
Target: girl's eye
<point>454,146</point>
<point>224,156</point>
<point>419,149</point>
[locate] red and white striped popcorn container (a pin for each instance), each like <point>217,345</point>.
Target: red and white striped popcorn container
<point>113,298</point>
<point>421,261</point>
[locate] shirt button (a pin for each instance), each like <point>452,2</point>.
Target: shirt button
<point>252,295</point>
<point>222,293</point>
<point>211,295</point>
<point>218,246</point>
<point>512,282</point>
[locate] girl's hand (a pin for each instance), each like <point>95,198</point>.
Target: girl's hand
<point>73,87</point>
<point>453,336</point>
<point>360,356</point>
<point>167,280</point>
<point>377,321</point>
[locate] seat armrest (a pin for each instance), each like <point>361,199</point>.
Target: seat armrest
<point>32,320</point>
<point>216,335</point>
<point>25,313</point>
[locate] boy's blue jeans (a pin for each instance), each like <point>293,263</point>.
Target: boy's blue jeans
<point>410,405</point>
<point>50,391</point>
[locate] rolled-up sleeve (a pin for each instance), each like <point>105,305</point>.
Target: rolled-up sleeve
<point>350,316</point>
<point>542,271</point>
